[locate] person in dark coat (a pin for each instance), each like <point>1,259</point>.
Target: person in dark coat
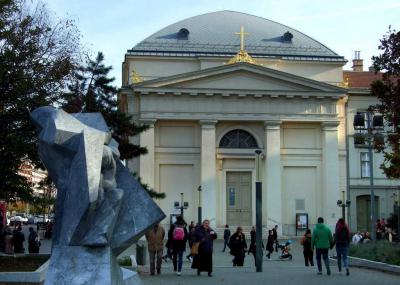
<point>275,235</point>
<point>270,244</point>
<point>307,249</point>
<point>179,238</point>
<point>33,241</point>
<point>190,240</point>
<point>204,235</point>
<point>168,244</point>
<point>18,240</point>
<point>238,246</point>
<point>227,236</point>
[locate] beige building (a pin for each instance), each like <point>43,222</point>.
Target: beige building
<point>210,105</point>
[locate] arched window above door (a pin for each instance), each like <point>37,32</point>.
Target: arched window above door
<point>238,139</point>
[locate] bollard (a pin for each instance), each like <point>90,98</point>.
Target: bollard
<point>141,254</point>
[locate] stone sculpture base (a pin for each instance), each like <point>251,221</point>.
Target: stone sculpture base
<point>79,265</point>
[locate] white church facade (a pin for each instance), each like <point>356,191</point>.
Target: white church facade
<point>210,105</point>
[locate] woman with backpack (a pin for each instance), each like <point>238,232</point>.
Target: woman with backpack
<point>342,241</point>
<point>179,238</point>
<point>307,249</point>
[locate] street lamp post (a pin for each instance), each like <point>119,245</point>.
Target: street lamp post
<point>343,204</point>
<point>259,253</point>
<point>199,209</point>
<point>374,126</point>
<point>182,205</point>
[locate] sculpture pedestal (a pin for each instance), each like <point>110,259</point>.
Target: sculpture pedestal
<point>78,265</point>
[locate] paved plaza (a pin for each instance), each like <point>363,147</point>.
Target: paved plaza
<point>274,272</point>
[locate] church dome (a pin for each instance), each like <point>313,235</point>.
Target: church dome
<point>213,34</point>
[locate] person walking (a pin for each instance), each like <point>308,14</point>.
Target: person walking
<point>190,240</point>
<point>227,236</point>
<point>270,244</point>
<point>33,241</point>
<point>203,239</point>
<point>8,245</point>
<point>342,241</point>
<point>155,240</point>
<point>322,240</point>
<point>238,246</point>
<point>275,235</point>
<point>307,249</point>
<point>18,240</point>
<point>168,244</point>
<point>179,238</point>
<point>253,246</point>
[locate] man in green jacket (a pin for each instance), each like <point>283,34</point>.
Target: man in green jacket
<point>322,240</point>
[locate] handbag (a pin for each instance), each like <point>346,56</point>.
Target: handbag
<point>194,250</point>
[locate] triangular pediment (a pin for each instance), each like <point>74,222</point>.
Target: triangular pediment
<point>241,76</point>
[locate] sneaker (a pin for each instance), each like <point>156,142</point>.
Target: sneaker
<point>328,271</point>
<point>178,273</point>
<point>347,272</point>
<point>209,274</point>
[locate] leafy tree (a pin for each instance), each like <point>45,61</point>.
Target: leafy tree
<point>387,91</point>
<point>92,91</point>
<point>37,57</point>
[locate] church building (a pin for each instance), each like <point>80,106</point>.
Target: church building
<point>215,88</point>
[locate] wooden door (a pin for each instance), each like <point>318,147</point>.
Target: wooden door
<point>238,198</point>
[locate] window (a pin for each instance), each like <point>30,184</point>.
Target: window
<point>238,139</point>
<point>365,165</point>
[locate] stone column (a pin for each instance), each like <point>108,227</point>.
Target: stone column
<point>208,171</point>
<point>273,173</point>
<point>330,173</point>
<point>147,163</point>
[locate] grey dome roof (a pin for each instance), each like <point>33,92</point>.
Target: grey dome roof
<point>213,34</point>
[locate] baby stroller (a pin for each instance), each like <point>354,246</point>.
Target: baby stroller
<point>285,251</point>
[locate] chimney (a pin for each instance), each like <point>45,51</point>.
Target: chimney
<point>357,62</point>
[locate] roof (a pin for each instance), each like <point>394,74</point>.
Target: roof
<point>360,79</point>
<point>213,34</point>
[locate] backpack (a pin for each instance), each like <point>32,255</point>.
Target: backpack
<point>178,234</point>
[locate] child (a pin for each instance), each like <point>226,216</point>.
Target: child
<point>307,249</point>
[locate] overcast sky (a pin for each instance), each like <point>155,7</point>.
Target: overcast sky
<point>113,27</point>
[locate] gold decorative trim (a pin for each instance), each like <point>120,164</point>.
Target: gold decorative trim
<point>135,77</point>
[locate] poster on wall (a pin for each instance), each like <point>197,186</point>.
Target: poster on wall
<point>301,221</point>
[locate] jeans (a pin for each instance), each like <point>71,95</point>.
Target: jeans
<point>324,253</point>
<point>177,259</point>
<point>153,256</point>
<point>342,252</point>
<point>225,244</point>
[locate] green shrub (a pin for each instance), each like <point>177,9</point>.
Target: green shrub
<point>381,251</point>
<point>125,261</point>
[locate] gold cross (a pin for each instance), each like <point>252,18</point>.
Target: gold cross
<point>242,34</point>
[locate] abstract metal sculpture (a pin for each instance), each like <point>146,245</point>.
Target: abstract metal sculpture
<point>100,209</point>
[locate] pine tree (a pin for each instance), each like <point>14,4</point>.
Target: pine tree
<point>92,91</point>
<point>37,56</point>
